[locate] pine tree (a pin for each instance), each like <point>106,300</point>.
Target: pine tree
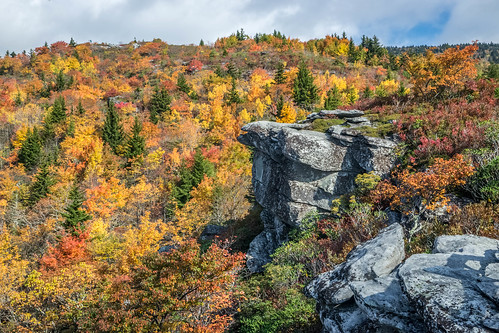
<point>71,128</point>
<point>74,215</point>
<point>233,97</point>
<point>201,42</point>
<point>58,114</point>
<point>112,133</point>
<point>79,109</point>
<point>72,42</point>
<point>137,143</point>
<point>160,104</point>
<point>304,89</point>
<point>279,106</point>
<point>182,84</point>
<point>60,82</point>
<point>191,178</point>
<point>333,99</point>
<point>30,151</point>
<point>233,71</point>
<point>40,188</point>
<point>280,77</point>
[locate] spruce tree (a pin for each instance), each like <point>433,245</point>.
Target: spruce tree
<point>233,97</point>
<point>58,113</point>
<point>30,151</point>
<point>304,89</point>
<point>112,133</point>
<point>233,71</point>
<point>60,82</point>
<point>279,106</point>
<point>72,42</point>
<point>182,84</point>
<point>201,42</point>
<point>137,143</point>
<point>40,188</point>
<point>191,177</point>
<point>160,104</point>
<point>280,77</point>
<point>79,109</point>
<point>74,215</point>
<point>333,99</point>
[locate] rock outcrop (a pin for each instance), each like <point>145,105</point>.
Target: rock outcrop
<point>297,171</point>
<point>454,289</point>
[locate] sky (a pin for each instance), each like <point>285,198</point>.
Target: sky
<point>27,24</point>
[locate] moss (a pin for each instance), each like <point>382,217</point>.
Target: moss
<point>322,125</point>
<point>379,131</point>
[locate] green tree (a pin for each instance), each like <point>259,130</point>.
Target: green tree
<point>233,97</point>
<point>79,109</point>
<point>201,42</point>
<point>72,42</point>
<point>40,188</point>
<point>160,104</point>
<point>353,52</point>
<point>74,214</point>
<point>58,113</point>
<point>112,133</point>
<point>191,177</point>
<point>280,76</point>
<point>60,81</point>
<point>233,71</point>
<point>30,151</point>
<point>136,144</point>
<point>182,84</point>
<point>333,99</point>
<point>304,89</point>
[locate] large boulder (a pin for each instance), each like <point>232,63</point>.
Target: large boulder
<point>297,172</point>
<point>453,289</point>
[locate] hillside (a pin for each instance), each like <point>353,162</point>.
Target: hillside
<point>127,203</point>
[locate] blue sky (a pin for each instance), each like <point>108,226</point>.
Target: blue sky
<point>26,24</point>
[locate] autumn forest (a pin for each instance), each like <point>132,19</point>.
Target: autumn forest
<point>114,159</point>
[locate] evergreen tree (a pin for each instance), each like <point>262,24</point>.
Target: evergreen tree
<point>74,215</point>
<point>71,128</point>
<point>72,42</point>
<point>353,52</point>
<point>58,114</point>
<point>304,89</point>
<point>191,177</point>
<point>279,106</point>
<point>160,103</point>
<point>201,42</point>
<point>333,99</point>
<point>233,97</point>
<point>280,77</point>
<point>137,143</point>
<point>30,151</point>
<point>40,188</point>
<point>60,82</point>
<point>112,132</point>
<point>182,84</point>
<point>79,109</point>
<point>233,71</point>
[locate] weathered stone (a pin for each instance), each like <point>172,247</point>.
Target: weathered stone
<point>341,113</point>
<point>296,172</point>
<point>452,287</point>
<point>383,302</point>
<point>374,258</point>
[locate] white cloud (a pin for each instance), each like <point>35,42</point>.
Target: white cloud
<point>28,24</point>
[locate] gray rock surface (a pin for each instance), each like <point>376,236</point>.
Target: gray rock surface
<point>374,258</point>
<point>297,172</point>
<point>454,289</point>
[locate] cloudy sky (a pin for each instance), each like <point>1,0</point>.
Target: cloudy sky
<point>26,24</point>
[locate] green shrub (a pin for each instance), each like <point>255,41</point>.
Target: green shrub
<point>322,125</point>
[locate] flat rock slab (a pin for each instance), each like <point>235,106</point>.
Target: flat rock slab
<point>444,288</point>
